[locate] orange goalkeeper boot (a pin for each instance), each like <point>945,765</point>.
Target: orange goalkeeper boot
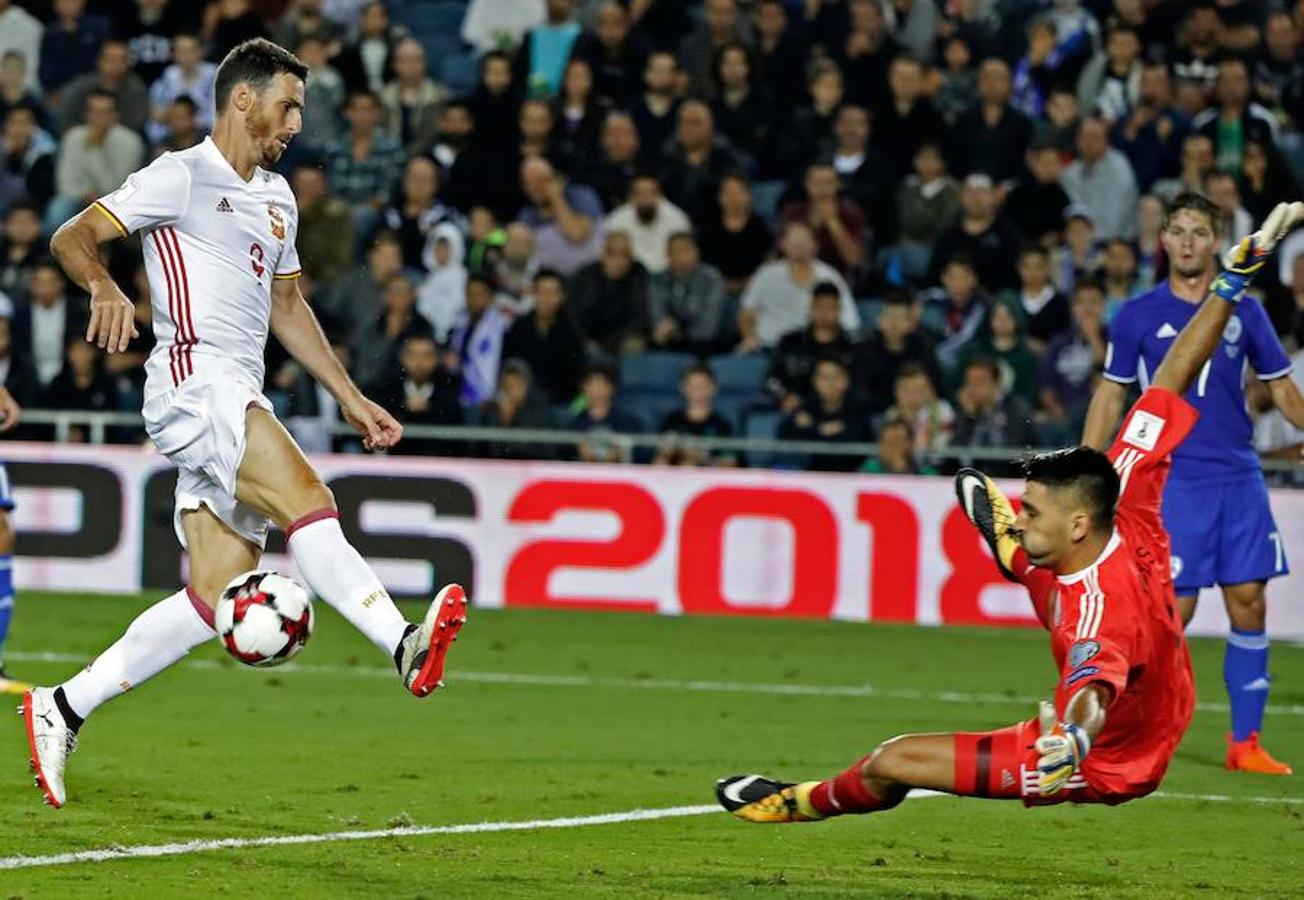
<point>1249,756</point>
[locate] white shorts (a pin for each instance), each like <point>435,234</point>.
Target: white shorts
<point>200,428</point>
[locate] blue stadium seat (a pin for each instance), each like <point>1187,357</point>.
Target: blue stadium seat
<point>439,46</point>
<point>763,424</point>
<point>869,310</point>
<point>649,405</point>
<point>656,371</point>
<point>737,374</point>
<point>458,72</point>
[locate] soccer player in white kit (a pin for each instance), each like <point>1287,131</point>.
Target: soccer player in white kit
<point>218,232</point>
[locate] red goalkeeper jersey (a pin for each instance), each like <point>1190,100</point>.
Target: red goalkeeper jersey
<point>1116,621</point>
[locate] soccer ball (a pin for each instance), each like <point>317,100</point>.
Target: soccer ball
<point>263,618</point>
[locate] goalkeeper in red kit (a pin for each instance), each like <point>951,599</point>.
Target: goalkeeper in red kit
<point>1090,546</point>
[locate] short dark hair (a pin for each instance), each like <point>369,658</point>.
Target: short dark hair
<point>1087,471</point>
<point>185,100</point>
<point>825,289</point>
<point>834,359</point>
<point>681,236</point>
<point>255,62</point>
<point>482,279</point>
<point>600,370</point>
<point>985,362</point>
<point>546,274</point>
<point>912,369</point>
<point>1196,203</point>
<point>697,368</point>
<point>961,259</point>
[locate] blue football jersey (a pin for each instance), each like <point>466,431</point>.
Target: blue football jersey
<point>1221,445</point>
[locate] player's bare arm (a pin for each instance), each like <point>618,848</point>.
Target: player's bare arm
<point>296,327</point>
<point>1287,398</point>
<point>1103,414</point>
<point>10,411</point>
<point>76,246</point>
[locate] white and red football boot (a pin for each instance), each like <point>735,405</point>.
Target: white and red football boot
<point>50,740</point>
<point>421,654</point>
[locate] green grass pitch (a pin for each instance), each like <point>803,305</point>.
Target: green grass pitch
<point>212,750</point>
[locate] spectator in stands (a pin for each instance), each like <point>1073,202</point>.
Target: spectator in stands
<point>986,239</point>
<point>418,210</point>
<point>781,54</point>
<point>865,173</point>
<point>1059,126</point>
<point>565,217</point>
<point>229,23</point>
<point>829,414</point>
<point>412,99</point>
<point>656,110</point>
<point>696,161</point>
<point>811,127</point>
<point>1197,163</point>
<point>94,159</point>
<point>609,297</point>
<point>720,25</point>
<point>475,343</point>
<point>740,106</point>
<point>1073,361</point>
<point>420,391</point>
<point>837,222</point>
<point>189,75</point>
<point>1002,339</point>
<point>1151,135</point>
<point>43,327</point>
<point>1264,180</point>
<point>375,345</point>
<point>491,25</point>
<point>1078,257</point>
<point>548,340</point>
<point>915,402</point>
<point>324,95</point>
<point>735,240</point>
<point>909,119</point>
<point>514,405</point>
<point>897,342</point>
<point>83,383</point>
<point>1038,69</point>
<point>697,418</point>
<point>26,160</point>
<point>1035,207</point>
<point>991,136</point>
<point>777,300</point>
<point>1236,118</point>
<point>21,33</point>
<point>441,297</point>
<point>70,45</point>
<point>307,20</point>
<point>495,102</point>
<point>180,129</point>
<point>600,416</point>
<point>954,311</point>
<point>866,53</point>
<point>615,54</point>
<point>578,113</point>
<point>1152,264</point>
<point>16,371</point>
<point>927,205</point>
<point>367,61</point>
<point>112,76</point>
<point>364,164</point>
<point>517,264</point>
<point>985,417</point>
<point>687,305</point>
<point>958,88</point>
<point>14,88</point>
<point>793,360</point>
<point>1118,273</point>
<point>1110,85</point>
<point>541,61</point>
<point>325,236</point>
<point>19,248</point>
<point>649,219</point>
<point>1279,69</point>
<point>896,452</point>
<point>1102,179</point>
<point>535,127</point>
<point>617,160</point>
<point>1045,309</point>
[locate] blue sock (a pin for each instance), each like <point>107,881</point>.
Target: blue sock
<point>1245,672</point>
<point>6,599</point>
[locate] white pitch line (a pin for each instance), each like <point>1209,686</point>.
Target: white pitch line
<point>658,684</point>
<point>153,851</point>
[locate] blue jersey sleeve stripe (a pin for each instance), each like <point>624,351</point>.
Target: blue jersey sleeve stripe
<point>1271,376</point>
<point>1118,379</point>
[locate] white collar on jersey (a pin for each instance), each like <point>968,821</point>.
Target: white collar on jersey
<point>1110,547</point>
<point>208,146</point>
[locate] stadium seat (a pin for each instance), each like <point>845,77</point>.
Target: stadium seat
<point>869,310</point>
<point>765,424</point>
<point>736,373</point>
<point>656,371</point>
<point>459,72</point>
<point>650,404</point>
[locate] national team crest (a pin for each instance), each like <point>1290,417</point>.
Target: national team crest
<point>278,222</point>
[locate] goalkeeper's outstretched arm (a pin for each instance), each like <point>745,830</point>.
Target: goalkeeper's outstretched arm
<point>1200,337</point>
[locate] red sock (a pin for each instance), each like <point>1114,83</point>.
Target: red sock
<point>845,794</point>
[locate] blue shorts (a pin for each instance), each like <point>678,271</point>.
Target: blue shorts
<point>1222,534</point>
<point>6,498</point>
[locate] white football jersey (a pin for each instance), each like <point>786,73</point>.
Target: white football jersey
<point>213,244</point>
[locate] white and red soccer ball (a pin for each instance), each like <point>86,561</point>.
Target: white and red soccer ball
<point>263,618</point>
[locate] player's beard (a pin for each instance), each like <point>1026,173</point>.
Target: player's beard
<point>1193,270</point>
<point>259,129</point>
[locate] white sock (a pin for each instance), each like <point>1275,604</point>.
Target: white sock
<point>339,575</point>
<point>159,637</point>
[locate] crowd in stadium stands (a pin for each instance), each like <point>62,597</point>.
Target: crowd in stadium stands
<point>901,221</point>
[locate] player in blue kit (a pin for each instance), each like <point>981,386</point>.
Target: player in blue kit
<point>1216,501</point>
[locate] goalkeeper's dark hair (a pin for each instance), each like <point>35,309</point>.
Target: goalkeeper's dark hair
<point>1086,471</point>
<point>255,62</point>
<point>1197,203</point>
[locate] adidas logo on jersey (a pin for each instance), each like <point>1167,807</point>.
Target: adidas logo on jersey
<point>224,206</point>
<point>1166,331</point>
